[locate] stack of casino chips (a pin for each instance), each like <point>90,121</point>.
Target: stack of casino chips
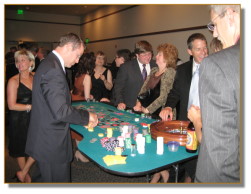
<point>103,140</point>
<point>109,143</point>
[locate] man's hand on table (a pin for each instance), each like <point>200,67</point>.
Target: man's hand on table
<point>93,120</point>
<point>121,106</point>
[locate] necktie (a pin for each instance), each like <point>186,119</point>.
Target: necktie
<point>194,90</point>
<point>144,73</point>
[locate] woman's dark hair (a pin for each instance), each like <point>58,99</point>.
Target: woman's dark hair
<point>101,53</point>
<point>86,64</point>
<point>125,53</point>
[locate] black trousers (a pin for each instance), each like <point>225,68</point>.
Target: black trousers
<point>52,172</point>
<point>190,168</point>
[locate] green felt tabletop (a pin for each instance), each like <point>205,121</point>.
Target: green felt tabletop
<point>140,164</point>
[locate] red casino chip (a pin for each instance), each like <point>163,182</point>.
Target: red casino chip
<point>124,123</point>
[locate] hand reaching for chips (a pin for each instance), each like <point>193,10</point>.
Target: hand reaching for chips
<point>93,120</point>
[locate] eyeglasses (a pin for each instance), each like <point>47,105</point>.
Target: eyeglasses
<point>211,25</point>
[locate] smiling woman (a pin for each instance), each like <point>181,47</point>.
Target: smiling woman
<point>19,91</point>
<point>158,84</point>
<point>101,79</point>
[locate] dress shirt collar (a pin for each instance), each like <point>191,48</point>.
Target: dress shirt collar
<point>60,59</point>
<point>148,68</point>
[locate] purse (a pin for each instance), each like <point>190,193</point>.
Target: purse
<point>144,98</point>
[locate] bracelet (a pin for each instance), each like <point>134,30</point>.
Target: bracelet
<point>28,107</point>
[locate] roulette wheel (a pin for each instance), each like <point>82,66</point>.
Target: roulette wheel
<point>170,130</point>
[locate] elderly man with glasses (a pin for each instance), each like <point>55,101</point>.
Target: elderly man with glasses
<point>219,92</point>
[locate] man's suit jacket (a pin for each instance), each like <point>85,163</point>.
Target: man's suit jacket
<point>179,94</point>
<point>219,91</point>
<point>128,83</point>
<point>49,137</point>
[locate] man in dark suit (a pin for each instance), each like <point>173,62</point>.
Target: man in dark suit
<point>49,139</point>
<point>129,78</point>
<point>219,92</point>
<point>42,54</point>
<point>178,96</point>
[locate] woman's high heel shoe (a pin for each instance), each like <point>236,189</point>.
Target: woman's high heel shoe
<point>27,178</point>
<point>23,179</point>
<point>19,176</point>
<point>80,157</point>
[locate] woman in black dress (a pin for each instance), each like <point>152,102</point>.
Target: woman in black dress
<point>19,96</point>
<point>101,79</point>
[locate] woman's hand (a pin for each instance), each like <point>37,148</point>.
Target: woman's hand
<point>166,114</point>
<point>104,100</point>
<point>102,77</point>
<point>138,107</point>
<point>145,110</point>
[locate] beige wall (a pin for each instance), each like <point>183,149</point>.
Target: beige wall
<point>44,33</point>
<point>138,20</point>
<point>145,19</point>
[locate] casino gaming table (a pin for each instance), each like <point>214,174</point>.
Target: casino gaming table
<point>141,164</point>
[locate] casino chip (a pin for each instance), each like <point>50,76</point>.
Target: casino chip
<point>93,140</point>
<point>109,144</point>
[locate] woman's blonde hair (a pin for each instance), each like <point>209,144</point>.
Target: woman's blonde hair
<point>28,54</point>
